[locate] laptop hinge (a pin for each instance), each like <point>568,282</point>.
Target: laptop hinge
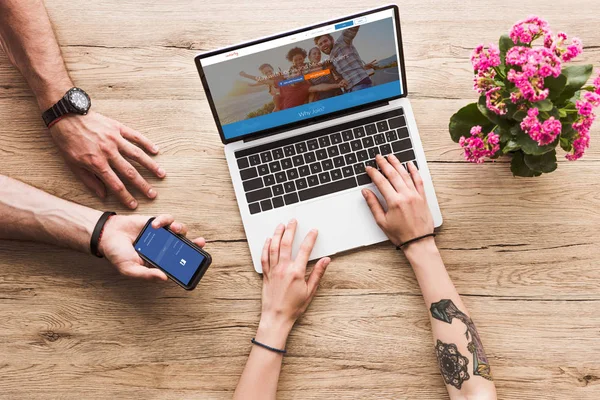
<point>334,116</point>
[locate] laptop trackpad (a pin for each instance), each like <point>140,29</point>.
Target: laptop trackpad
<point>344,222</point>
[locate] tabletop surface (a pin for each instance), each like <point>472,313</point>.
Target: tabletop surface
<point>523,253</point>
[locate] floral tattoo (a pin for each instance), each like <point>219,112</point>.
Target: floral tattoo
<point>445,311</point>
<point>453,365</point>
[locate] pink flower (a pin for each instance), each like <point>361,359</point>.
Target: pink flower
<point>494,101</point>
<point>536,64</point>
<point>477,146</point>
<point>543,133</point>
<point>597,84</point>
<point>584,108</point>
<point>573,50</point>
<point>484,80</point>
<point>528,30</point>
<point>593,98</point>
<point>485,58</point>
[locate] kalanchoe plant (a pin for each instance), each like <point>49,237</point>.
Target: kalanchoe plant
<point>530,102</point>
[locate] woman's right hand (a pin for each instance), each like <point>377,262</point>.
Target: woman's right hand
<point>286,292</point>
<point>407,215</point>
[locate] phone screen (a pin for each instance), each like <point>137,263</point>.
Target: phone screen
<point>170,253</point>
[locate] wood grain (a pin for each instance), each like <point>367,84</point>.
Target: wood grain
<point>523,253</point>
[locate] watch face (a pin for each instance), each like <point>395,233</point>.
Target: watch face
<point>79,100</point>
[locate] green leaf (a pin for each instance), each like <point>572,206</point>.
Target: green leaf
<point>562,113</point>
<point>519,168</point>
<point>466,118</point>
<point>504,133</point>
<point>577,76</point>
<point>542,163</point>
<point>566,144</point>
<point>530,146</point>
<point>520,115</point>
<point>556,85</point>
<point>511,145</point>
<point>505,43</point>
<point>544,105</point>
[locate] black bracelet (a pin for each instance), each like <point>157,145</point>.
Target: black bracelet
<point>414,240</point>
<point>264,346</point>
<point>97,233</point>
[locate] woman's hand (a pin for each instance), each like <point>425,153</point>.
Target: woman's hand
<point>286,292</point>
<point>407,214</point>
<point>116,244</point>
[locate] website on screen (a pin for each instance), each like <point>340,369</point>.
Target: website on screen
<point>305,75</point>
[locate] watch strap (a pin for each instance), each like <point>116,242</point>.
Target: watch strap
<point>57,111</point>
<point>97,233</point>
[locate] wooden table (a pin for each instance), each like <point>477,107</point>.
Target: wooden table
<point>523,253</point>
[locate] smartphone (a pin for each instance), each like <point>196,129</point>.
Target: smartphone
<point>176,256</point>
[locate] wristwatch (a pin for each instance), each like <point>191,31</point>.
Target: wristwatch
<point>75,101</point>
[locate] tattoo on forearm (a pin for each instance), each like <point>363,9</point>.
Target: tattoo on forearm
<point>453,365</point>
<point>445,311</point>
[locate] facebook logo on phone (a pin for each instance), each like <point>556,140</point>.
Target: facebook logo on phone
<point>170,253</point>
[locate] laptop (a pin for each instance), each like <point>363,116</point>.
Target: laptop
<point>301,114</point>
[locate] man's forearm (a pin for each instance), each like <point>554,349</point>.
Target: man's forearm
<point>461,358</point>
<point>27,213</point>
<point>27,37</point>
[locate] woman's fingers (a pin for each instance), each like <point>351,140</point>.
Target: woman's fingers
<point>306,248</point>
<point>285,250</point>
<point>264,258</point>
<point>391,173</point>
<point>275,244</point>
<point>408,182</point>
<point>375,206</point>
<point>316,275</point>
<point>416,177</point>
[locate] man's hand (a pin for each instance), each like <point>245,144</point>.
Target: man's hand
<point>96,148</point>
<point>117,240</point>
<point>407,214</point>
<point>372,65</point>
<point>286,292</point>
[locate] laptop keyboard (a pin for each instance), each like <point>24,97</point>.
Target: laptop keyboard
<point>319,163</point>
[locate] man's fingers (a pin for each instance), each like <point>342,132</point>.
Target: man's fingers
<point>127,170</point>
<point>393,160</point>
<point>264,258</point>
<point>390,173</point>
<point>416,177</point>
<point>179,228</point>
<point>91,181</point>
<point>135,153</point>
<point>142,272</point>
<point>306,248</point>
<point>134,136</point>
<point>384,186</point>
<point>285,250</point>
<point>375,206</point>
<point>315,276</point>
<point>201,242</point>
<point>115,185</point>
<point>163,220</point>
<point>274,245</point>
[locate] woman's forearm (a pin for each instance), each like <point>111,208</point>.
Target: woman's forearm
<point>27,213</point>
<point>459,350</point>
<point>261,374</point>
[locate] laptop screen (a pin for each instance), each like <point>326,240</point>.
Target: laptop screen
<point>304,75</point>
